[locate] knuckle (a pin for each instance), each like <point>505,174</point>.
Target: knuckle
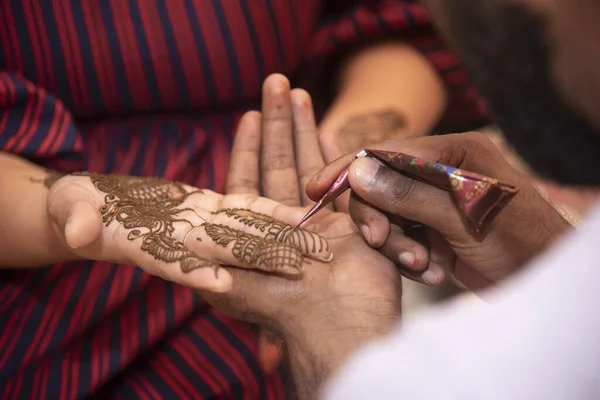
<point>403,191</point>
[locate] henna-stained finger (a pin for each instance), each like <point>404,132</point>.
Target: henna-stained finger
<point>170,261</point>
<point>244,175</point>
<point>230,246</point>
<point>265,226</point>
<point>273,213</point>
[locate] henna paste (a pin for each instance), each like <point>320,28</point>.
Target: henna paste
<point>278,230</point>
<point>148,208</point>
<point>267,254</point>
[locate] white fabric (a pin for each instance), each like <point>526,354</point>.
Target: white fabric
<point>538,337</point>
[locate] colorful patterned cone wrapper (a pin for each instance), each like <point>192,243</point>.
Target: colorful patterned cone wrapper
<point>478,198</point>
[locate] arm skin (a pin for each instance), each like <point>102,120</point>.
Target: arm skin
<point>28,238</point>
<point>389,76</point>
<point>320,341</point>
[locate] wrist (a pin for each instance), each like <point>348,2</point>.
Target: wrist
<point>324,337</point>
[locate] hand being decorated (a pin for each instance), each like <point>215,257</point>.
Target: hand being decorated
<point>175,231</point>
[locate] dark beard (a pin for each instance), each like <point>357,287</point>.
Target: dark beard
<point>509,61</point>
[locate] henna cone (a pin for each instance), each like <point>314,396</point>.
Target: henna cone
<point>478,198</point>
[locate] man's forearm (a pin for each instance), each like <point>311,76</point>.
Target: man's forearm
<point>389,77</point>
<point>27,237</point>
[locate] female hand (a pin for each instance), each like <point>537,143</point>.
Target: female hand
<point>175,231</point>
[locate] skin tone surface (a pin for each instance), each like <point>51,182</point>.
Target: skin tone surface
<point>322,318</point>
<point>538,124</point>
<point>358,280</point>
<point>385,91</point>
<point>169,229</point>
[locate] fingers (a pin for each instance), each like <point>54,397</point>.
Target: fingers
<point>394,193</point>
<point>244,175</point>
<point>472,151</point>
<point>322,181</point>
<point>230,246</point>
<point>373,224</point>
<point>308,151</point>
<point>280,181</point>
<point>241,222</point>
<point>192,272</point>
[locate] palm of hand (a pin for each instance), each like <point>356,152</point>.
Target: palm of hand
<point>359,285</point>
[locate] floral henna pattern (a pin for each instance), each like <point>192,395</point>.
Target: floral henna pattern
<point>149,209</point>
<point>278,230</point>
<point>267,254</point>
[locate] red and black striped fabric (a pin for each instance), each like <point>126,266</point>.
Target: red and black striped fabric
<point>154,87</point>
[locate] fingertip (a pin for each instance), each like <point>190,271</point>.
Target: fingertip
<point>276,82</point>
<point>312,188</point>
<point>251,116</point>
<point>83,226</point>
<point>378,233</point>
<point>322,180</point>
<point>434,275</point>
<point>301,99</point>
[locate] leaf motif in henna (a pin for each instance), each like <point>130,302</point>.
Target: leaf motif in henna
<point>221,234</point>
<point>278,230</point>
<point>257,220</point>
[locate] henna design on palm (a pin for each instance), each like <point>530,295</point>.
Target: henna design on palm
<point>278,230</point>
<point>267,254</point>
<point>149,208</point>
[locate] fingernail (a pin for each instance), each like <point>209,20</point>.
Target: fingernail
<point>366,231</point>
<point>431,277</point>
<point>365,170</point>
<point>407,259</point>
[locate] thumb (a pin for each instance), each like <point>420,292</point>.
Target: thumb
<point>402,196</point>
<point>74,208</point>
<point>83,224</point>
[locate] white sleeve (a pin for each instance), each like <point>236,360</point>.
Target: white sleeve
<point>538,337</point>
